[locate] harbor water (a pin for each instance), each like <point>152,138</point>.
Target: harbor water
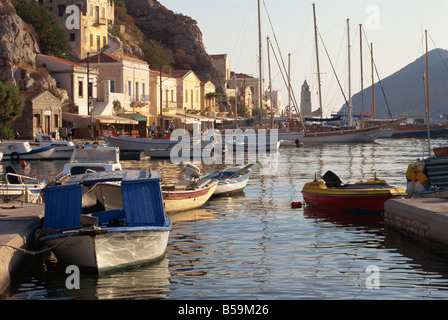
<point>256,246</point>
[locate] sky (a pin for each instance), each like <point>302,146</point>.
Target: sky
<point>395,28</point>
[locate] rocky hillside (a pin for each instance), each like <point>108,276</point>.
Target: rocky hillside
<point>404,90</point>
<point>179,33</point>
<point>18,49</point>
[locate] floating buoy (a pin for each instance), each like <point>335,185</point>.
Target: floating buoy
<point>23,163</point>
<point>296,204</point>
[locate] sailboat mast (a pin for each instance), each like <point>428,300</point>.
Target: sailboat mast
<point>260,65</point>
<point>317,59</point>
<point>373,82</point>
<point>270,84</point>
<point>362,79</point>
<point>427,74</point>
<point>350,115</point>
<point>427,95</point>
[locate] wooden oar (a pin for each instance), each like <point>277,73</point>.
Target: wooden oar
<point>236,174</point>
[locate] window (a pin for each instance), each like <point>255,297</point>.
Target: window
<point>56,121</point>
<point>72,37</point>
<point>90,89</point>
<point>98,43</point>
<point>186,95</point>
<point>104,42</point>
<point>61,10</point>
<point>91,10</point>
<point>143,91</point>
<point>129,89</point>
<point>91,40</point>
<point>112,85</point>
<point>103,12</point>
<point>80,89</point>
<point>136,92</point>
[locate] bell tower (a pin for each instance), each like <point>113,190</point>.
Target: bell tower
<point>305,98</point>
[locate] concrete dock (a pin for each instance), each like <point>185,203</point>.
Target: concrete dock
<point>18,222</point>
<point>425,218</point>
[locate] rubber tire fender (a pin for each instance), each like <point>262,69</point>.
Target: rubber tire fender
<point>15,156</point>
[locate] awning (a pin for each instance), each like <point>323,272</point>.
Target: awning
<point>114,120</point>
<point>78,118</point>
<point>96,119</point>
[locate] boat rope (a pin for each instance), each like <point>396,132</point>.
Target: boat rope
<point>33,253</point>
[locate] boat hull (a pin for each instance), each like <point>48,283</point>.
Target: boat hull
<point>343,136</point>
<point>117,248</point>
<point>228,186</point>
<point>137,144</point>
<point>358,198</point>
<point>176,201</point>
<point>44,153</point>
<point>22,192</point>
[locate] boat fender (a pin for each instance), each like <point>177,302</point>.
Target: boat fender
<point>418,176</point>
<point>296,204</point>
<point>418,187</point>
<point>410,189</point>
<point>23,164</point>
<point>410,171</point>
<point>15,156</point>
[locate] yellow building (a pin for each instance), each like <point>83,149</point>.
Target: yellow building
<point>188,90</point>
<point>86,27</point>
<point>208,99</point>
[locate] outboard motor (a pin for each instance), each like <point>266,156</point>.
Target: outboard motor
<point>192,172</point>
<point>331,179</point>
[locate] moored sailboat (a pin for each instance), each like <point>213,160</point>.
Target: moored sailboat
<point>351,133</point>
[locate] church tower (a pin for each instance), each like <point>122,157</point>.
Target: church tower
<point>305,99</point>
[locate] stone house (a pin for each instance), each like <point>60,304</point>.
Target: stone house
<point>42,113</point>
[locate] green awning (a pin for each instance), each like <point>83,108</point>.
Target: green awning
<point>140,117</point>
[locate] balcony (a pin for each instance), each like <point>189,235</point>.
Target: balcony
<point>100,22</point>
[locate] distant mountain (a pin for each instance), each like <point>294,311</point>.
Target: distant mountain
<point>404,90</point>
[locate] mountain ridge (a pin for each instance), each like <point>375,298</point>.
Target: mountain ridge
<point>404,90</point>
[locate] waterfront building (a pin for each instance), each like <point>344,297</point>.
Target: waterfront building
<point>72,77</point>
<point>42,112</point>
<point>90,35</point>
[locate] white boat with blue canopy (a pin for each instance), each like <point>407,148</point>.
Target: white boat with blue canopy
<point>100,239</point>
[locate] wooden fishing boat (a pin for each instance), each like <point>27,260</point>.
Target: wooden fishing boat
<point>190,193</point>
<point>360,198</point>
<point>231,180</point>
<point>103,239</point>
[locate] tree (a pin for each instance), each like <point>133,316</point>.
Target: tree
<point>51,37</point>
<point>157,55</point>
<point>11,105</point>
